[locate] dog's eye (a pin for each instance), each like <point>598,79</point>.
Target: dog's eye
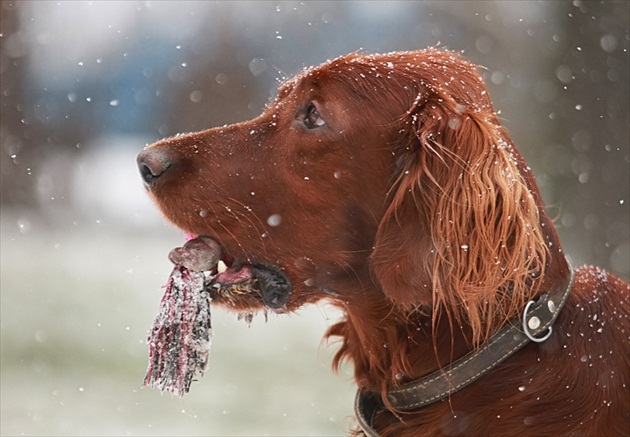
<point>312,118</point>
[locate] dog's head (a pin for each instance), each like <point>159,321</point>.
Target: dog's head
<point>390,172</point>
<point>295,193</point>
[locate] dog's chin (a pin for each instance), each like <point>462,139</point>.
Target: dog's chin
<point>246,287</point>
<point>238,285</point>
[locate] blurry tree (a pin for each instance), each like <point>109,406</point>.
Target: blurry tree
<point>14,175</point>
<point>220,84</point>
<point>37,124</point>
<point>589,152</point>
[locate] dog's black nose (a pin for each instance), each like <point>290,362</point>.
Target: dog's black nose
<point>152,164</point>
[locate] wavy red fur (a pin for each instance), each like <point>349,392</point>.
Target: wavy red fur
<point>404,202</point>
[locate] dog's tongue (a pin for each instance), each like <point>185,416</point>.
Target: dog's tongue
<point>189,237</point>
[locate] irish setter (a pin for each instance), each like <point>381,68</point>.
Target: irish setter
<point>386,185</point>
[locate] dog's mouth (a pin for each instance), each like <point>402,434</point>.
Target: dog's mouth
<point>241,285</point>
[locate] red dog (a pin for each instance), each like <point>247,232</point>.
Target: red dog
<point>386,184</point>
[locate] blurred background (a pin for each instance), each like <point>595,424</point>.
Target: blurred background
<point>86,85</point>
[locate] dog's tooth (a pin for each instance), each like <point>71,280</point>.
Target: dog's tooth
<point>221,267</point>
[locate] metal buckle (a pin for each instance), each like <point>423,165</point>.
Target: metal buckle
<point>533,324</point>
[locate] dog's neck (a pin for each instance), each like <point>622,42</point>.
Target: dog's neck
<point>389,348</point>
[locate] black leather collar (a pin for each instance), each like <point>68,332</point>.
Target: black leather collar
<point>535,325</point>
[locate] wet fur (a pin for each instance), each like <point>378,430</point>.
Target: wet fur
<point>413,212</point>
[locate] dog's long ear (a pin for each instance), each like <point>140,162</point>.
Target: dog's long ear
<point>462,231</point>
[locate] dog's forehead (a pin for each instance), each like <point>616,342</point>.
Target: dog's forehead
<point>356,68</point>
<point>344,74</point>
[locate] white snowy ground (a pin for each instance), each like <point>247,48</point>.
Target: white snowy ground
<point>76,303</point>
